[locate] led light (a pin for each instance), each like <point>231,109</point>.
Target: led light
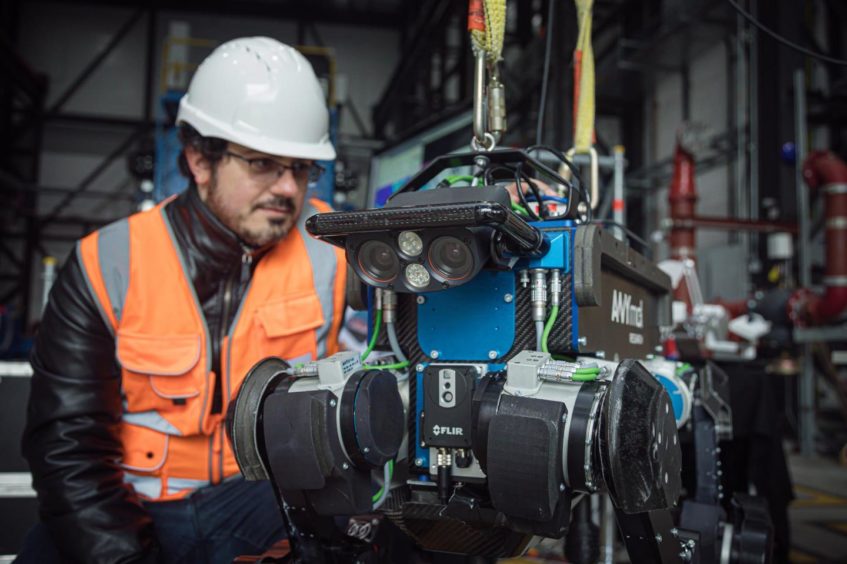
<point>410,243</point>
<point>417,276</point>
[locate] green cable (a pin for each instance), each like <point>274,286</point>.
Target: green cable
<point>378,494</point>
<point>374,335</point>
<point>458,178</point>
<point>395,366</point>
<point>554,312</point>
<point>519,209</point>
<point>685,367</point>
<point>585,377</point>
<point>563,357</point>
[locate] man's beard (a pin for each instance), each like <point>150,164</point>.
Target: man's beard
<point>271,232</point>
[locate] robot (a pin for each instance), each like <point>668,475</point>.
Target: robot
<point>523,377</point>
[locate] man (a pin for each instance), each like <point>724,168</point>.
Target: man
<point>155,320</point>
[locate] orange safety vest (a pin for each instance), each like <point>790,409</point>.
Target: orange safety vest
<point>292,308</point>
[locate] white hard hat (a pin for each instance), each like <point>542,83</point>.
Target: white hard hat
<point>261,94</point>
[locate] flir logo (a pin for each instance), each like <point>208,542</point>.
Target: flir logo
<point>441,430</point>
<point>624,312</point>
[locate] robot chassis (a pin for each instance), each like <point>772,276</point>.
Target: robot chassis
<point>524,378</point>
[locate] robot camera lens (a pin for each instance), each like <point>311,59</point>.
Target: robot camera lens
<point>451,258</point>
<point>379,261</point>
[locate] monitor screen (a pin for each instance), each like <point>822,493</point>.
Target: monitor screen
<point>390,169</point>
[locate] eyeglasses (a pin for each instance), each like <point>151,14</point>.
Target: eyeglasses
<point>268,170</point>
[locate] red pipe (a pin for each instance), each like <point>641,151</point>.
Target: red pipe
<point>682,198</point>
<point>826,173</point>
<point>730,224</point>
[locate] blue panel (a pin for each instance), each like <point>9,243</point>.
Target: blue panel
<point>559,254</point>
<point>677,398</point>
<point>467,322</point>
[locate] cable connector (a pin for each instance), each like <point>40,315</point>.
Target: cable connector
<point>389,306</point>
<point>555,288</point>
<point>539,294</point>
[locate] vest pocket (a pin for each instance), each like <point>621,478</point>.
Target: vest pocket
<point>145,450</point>
<point>159,372</point>
<point>290,326</point>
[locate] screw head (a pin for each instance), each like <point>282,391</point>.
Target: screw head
<point>419,462</point>
<point>582,341</point>
<point>561,487</point>
<point>419,368</point>
<point>421,300</point>
<point>366,450</point>
<point>508,298</point>
<point>433,354</point>
<point>345,466</point>
<point>492,354</point>
<point>333,403</point>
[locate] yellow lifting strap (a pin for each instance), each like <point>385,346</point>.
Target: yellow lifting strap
<point>487,24</point>
<point>584,80</point>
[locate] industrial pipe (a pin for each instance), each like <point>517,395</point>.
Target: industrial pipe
<point>825,173</point>
<point>682,198</point>
<point>729,224</point>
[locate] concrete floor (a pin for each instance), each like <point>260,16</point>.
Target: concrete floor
<point>818,516</point>
<point>819,513</point>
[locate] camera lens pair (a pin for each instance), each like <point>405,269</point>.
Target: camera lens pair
<point>448,256</point>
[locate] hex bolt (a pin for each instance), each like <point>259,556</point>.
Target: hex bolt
<point>433,354</point>
<point>421,300</point>
<point>419,368</point>
<point>492,354</point>
<point>508,298</point>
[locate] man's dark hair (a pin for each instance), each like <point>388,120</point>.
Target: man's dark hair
<point>212,148</point>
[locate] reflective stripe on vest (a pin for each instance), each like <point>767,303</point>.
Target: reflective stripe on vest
<point>292,308</point>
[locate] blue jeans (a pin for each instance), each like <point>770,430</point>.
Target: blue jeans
<point>214,524</point>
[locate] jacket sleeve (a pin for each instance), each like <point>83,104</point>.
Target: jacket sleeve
<point>71,436</point>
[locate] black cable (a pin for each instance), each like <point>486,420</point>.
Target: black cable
<point>546,75</point>
<point>542,208</point>
<point>584,196</point>
<point>777,37</point>
<point>522,197</point>
<point>645,246</point>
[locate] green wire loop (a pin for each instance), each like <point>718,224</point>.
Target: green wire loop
<point>377,495</point>
<point>519,209</point>
<point>374,335</point>
<point>395,366</point>
<point>554,312</point>
<point>458,178</point>
<point>585,377</point>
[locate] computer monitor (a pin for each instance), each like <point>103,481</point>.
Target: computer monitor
<point>391,168</point>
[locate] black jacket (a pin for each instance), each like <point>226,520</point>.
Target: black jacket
<point>74,410</point>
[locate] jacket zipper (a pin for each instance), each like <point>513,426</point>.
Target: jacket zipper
<point>223,377</point>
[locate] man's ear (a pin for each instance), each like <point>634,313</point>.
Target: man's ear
<point>201,168</point>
